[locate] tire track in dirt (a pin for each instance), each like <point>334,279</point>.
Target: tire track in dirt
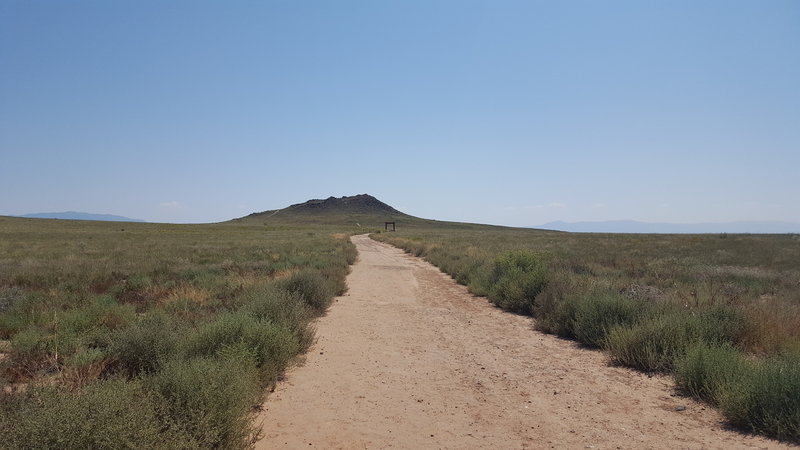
<point>409,359</point>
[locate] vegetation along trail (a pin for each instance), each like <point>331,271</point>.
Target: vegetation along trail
<point>409,359</point>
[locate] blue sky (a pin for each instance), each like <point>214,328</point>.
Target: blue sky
<point>514,113</point>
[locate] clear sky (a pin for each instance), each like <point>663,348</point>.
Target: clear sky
<point>504,112</point>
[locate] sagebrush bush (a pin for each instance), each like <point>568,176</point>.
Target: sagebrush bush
<point>517,277</point>
<point>766,399</point>
<point>211,399</point>
<point>84,367</point>
<point>109,414</point>
<point>92,324</point>
<point>313,287</point>
<point>271,346</point>
<point>772,327</point>
<point>26,310</point>
<point>101,311</point>
<point>722,325</point>
<point>655,343</point>
<point>33,351</point>
<point>31,343</point>
<point>705,371</point>
<point>556,305</point>
<point>336,275</point>
<point>760,395</point>
<point>596,313</point>
<point>42,343</point>
<point>284,308</point>
<point>147,345</point>
<point>467,270</point>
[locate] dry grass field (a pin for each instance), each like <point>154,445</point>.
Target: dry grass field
<point>156,335</point>
<point>120,335</point>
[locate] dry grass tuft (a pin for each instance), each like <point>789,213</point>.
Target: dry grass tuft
<point>286,273</point>
<point>196,295</point>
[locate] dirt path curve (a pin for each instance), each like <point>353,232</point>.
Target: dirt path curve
<point>409,359</point>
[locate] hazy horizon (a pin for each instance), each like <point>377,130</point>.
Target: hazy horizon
<point>513,113</point>
<point>605,226</point>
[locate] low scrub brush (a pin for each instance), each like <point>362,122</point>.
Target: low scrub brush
<point>517,277</point>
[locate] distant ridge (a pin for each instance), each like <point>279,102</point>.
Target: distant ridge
<point>73,215</point>
<point>632,226</point>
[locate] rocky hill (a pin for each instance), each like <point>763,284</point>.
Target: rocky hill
<point>356,204</point>
<point>358,210</point>
<point>363,212</point>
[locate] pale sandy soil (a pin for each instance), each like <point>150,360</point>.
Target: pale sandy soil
<point>409,359</point>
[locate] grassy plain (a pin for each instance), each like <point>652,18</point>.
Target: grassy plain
<point>720,312</point>
<point>154,335</point>
<point>122,335</point>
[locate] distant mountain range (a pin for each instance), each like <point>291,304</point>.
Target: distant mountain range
<point>632,226</point>
<point>72,215</point>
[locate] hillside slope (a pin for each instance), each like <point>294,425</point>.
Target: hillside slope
<point>359,211</point>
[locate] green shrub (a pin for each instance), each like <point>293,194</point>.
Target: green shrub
<point>26,310</point>
<point>186,310</point>
<point>93,323</point>
<point>349,251</point>
<point>134,290</point>
<point>655,343</point>
<point>103,311</point>
<point>556,306</point>
<point>517,277</point>
<point>722,325</point>
<point>598,312</point>
<point>109,414</point>
<point>89,326</point>
<point>705,371</point>
<point>767,398</point>
<point>762,396</point>
<point>478,284</point>
<point>35,351</point>
<point>32,342</point>
<point>85,357</point>
<point>145,346</point>
<point>211,399</point>
<point>271,346</point>
<point>83,367</point>
<point>281,307</point>
<point>466,270</point>
<point>336,276</point>
<point>314,288</point>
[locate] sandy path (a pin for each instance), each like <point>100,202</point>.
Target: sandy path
<point>409,359</point>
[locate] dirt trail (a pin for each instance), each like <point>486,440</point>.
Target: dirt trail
<point>409,359</point>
